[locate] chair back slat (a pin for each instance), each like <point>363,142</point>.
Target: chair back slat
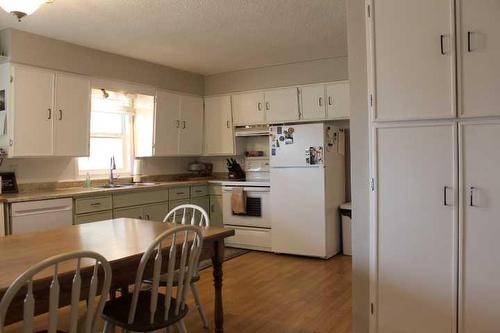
<point>156,282</point>
<point>188,254</point>
<point>91,303</point>
<point>181,271</point>
<point>75,299</point>
<point>170,274</point>
<point>54,301</point>
<point>29,309</point>
<point>26,280</point>
<point>191,269</point>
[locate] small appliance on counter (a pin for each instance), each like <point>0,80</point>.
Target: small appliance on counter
<point>201,169</point>
<point>235,170</point>
<point>8,182</point>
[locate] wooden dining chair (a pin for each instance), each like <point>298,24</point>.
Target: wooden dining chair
<point>149,310</point>
<point>193,215</point>
<point>24,284</point>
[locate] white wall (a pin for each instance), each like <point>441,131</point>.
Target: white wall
<point>323,70</point>
<point>30,49</point>
<point>359,163</point>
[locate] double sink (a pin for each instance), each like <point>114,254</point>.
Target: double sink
<point>126,185</point>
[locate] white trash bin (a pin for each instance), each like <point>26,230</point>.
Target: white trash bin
<point>345,212</point>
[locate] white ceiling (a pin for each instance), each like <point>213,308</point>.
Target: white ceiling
<point>202,36</point>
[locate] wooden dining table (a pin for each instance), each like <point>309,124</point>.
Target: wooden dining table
<point>121,241</point>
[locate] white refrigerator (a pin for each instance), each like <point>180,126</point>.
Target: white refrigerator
<point>307,187</point>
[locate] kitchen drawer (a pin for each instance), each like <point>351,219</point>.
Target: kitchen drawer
<point>177,193</point>
<point>250,238</point>
<point>93,204</point>
<point>199,191</point>
<point>137,198</point>
<point>215,189</point>
<point>93,217</point>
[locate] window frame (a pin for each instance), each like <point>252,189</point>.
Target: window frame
<point>126,136</point>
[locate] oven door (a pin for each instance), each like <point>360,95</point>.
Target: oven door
<point>257,215</point>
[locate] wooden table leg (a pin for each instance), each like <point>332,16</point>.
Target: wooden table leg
<point>217,261</point>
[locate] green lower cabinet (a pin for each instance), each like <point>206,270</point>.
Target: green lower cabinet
<point>156,212</point>
<point>216,211</point>
<point>93,217</point>
<point>131,212</point>
<point>152,212</point>
<point>175,203</point>
<point>203,202</point>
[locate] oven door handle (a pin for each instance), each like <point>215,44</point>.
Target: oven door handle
<point>248,189</point>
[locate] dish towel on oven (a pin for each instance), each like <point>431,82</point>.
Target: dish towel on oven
<point>238,201</point>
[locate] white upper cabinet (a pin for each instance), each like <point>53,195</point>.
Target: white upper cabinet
<point>32,112</point>
<point>191,130</point>
<point>167,124</point>
<point>480,46</point>
<point>282,105</point>
<point>49,113</point>
<point>338,102</point>
<point>72,115</point>
<point>219,134</point>
<point>249,109</point>
<point>313,104</point>
<point>412,43</point>
<point>177,127</point>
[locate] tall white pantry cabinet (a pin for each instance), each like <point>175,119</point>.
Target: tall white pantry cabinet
<point>434,78</point>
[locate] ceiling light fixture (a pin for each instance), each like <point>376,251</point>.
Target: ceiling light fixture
<point>21,8</point>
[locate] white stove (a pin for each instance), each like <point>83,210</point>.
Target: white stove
<point>253,229</point>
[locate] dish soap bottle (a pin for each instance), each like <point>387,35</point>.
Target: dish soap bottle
<point>88,181</point>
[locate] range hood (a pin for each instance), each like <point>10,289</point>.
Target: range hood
<point>256,130</point>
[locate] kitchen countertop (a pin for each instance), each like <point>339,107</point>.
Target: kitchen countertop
<point>228,182</point>
<point>75,192</point>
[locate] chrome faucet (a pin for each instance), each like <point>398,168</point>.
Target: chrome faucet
<point>112,166</point>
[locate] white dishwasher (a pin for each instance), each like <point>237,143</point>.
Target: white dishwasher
<point>40,215</point>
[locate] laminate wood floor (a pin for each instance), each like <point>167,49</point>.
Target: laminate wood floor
<point>265,292</point>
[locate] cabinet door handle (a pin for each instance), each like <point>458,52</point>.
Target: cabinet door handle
<point>259,106</point>
<point>441,40</point>
<point>95,204</point>
<point>330,100</point>
<point>469,46</point>
<point>178,124</point>
<point>60,114</point>
<point>445,195</point>
<point>183,124</point>
<point>227,124</point>
<point>49,115</point>
<point>471,196</point>
<point>212,208</point>
<point>320,101</point>
<point>268,106</point>
<point>147,216</point>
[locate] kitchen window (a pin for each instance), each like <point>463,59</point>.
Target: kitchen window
<point>110,133</point>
